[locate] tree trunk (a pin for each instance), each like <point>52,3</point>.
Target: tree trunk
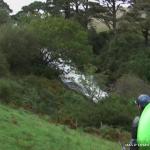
<point>114,19</point>
<point>146,34</point>
<point>77,7</point>
<point>67,9</point>
<point>86,6</point>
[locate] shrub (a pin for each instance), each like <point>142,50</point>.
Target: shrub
<point>50,97</point>
<point>44,96</point>
<point>115,56</point>
<point>24,95</point>
<point>115,110</point>
<point>130,86</point>
<point>9,90</point>
<point>20,47</point>
<point>114,134</point>
<point>140,64</point>
<point>4,16</point>
<point>4,67</point>
<point>63,38</point>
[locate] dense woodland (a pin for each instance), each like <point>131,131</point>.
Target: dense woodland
<point>118,58</point>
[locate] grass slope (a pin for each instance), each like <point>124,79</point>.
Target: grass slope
<point>20,130</point>
<point>99,25</point>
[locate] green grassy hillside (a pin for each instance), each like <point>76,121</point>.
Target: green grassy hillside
<point>98,25</point>
<point>20,130</point>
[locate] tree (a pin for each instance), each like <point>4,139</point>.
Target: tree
<point>51,9</point>
<point>89,11</point>
<point>4,16</point>
<point>63,39</point>
<point>34,8</point>
<point>4,12</point>
<point>4,67</point>
<point>138,18</point>
<point>22,52</point>
<point>76,4</point>
<point>5,6</point>
<point>60,7</point>
<point>142,10</point>
<point>81,10</point>
<point>110,14</point>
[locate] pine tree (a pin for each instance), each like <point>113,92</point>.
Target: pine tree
<point>5,6</point>
<point>141,9</point>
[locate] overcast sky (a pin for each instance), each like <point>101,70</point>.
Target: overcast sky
<point>16,5</point>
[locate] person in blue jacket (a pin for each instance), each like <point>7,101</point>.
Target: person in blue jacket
<point>141,102</point>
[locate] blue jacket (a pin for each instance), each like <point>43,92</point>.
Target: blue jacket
<point>133,142</point>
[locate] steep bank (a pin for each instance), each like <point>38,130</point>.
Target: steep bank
<point>22,130</point>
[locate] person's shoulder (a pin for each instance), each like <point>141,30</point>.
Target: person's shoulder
<point>136,121</point>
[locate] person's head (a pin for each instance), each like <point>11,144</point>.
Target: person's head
<point>142,101</point>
